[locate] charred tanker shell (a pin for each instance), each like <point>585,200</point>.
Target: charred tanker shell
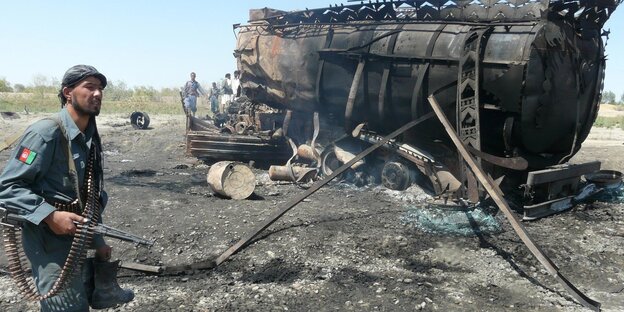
<point>519,78</point>
<point>512,84</point>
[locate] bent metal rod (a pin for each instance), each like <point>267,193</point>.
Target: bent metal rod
<point>315,187</point>
<point>209,264</point>
<point>497,195</point>
<point>487,182</point>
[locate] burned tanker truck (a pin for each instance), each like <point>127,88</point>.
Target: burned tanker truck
<point>519,80</point>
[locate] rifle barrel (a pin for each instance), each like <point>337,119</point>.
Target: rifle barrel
<point>13,219</point>
<point>122,235</point>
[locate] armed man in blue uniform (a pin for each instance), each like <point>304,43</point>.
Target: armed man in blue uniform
<point>45,181</point>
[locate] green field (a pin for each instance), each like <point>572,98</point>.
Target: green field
<point>49,103</point>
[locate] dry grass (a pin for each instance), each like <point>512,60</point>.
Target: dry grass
<point>49,103</point>
<point>610,122</point>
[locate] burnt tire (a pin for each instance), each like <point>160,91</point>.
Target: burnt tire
<point>139,120</point>
<point>396,176</point>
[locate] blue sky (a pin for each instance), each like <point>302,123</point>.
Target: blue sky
<point>157,43</point>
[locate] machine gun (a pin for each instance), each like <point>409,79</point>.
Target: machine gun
<point>10,217</point>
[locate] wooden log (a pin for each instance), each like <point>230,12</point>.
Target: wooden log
<point>231,180</point>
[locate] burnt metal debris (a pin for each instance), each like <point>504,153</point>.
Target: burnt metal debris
<point>497,195</point>
<point>515,85</point>
<point>232,180</point>
<point>553,189</point>
<point>247,132</point>
<point>488,183</point>
<point>521,81</point>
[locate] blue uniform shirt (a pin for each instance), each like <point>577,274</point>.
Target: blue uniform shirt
<point>27,179</point>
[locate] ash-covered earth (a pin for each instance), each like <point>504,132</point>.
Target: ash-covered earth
<point>343,249</point>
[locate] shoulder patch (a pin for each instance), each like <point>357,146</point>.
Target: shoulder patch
<point>26,155</point>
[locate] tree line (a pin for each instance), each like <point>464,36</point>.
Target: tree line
<point>115,90</point>
<point>119,91</point>
<point>608,97</point>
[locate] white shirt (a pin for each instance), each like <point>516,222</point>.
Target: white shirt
<point>235,85</point>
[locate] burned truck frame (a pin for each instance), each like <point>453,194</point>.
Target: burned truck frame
<point>514,87</point>
<point>521,80</point>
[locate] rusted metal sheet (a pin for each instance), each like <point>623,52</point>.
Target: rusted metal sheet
<point>248,132</point>
<point>552,190</point>
<point>205,140</point>
<point>235,147</point>
<point>561,173</point>
<point>514,163</point>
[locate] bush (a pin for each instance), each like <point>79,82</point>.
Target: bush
<point>610,122</point>
<point>5,86</point>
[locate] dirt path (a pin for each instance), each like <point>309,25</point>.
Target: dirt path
<point>346,248</point>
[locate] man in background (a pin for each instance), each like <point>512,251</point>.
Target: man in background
<point>226,93</point>
<point>191,91</point>
<point>236,87</point>
<point>214,98</point>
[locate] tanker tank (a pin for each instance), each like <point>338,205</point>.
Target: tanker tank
<point>519,78</point>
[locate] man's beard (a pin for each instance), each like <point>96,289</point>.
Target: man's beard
<point>83,111</point>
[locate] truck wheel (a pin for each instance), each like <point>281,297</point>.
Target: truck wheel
<point>139,120</point>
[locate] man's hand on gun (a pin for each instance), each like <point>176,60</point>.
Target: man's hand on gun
<point>63,222</point>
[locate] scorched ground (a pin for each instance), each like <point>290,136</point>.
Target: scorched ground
<point>346,248</point>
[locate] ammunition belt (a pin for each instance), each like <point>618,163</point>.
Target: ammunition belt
<point>73,206</point>
<point>78,251</point>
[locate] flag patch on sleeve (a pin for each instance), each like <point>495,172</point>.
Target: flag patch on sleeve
<point>26,155</point>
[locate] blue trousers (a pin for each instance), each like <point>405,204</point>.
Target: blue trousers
<point>47,252</point>
<point>190,102</point>
<point>214,104</point>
